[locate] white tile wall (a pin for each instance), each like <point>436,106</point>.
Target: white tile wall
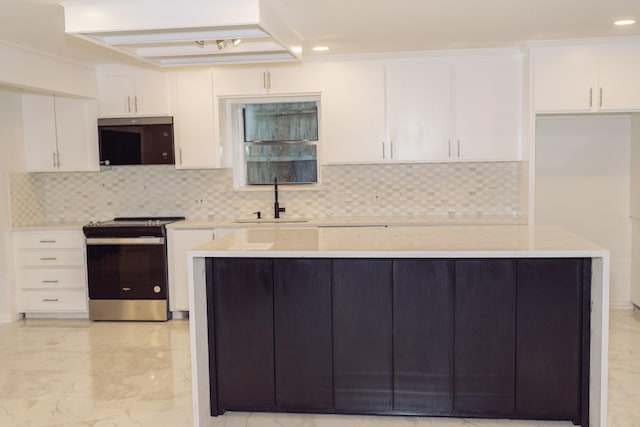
<point>436,189</point>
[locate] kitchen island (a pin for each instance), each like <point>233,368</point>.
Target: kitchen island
<point>461,321</point>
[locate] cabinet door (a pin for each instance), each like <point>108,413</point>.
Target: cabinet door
<point>423,336</point>
<point>243,333</point>
<point>303,348</point>
<point>77,134</point>
<point>488,106</point>
<point>195,138</point>
<point>353,105</point>
<point>151,96</point>
<point>131,92</point>
<point>419,110</point>
<point>38,115</point>
<point>548,377</point>
<point>485,337</point>
<point>295,78</point>
<point>564,79</point>
<point>115,95</point>
<point>362,335</point>
<point>242,80</point>
<point>179,242</point>
<point>618,71</point>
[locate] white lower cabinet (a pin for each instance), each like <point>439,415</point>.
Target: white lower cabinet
<point>179,243</point>
<point>51,274</point>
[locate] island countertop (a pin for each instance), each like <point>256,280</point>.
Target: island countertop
<point>421,242</point>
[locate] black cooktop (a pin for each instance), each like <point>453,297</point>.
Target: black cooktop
<point>130,226</point>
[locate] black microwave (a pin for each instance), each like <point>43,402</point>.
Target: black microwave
<point>136,141</point>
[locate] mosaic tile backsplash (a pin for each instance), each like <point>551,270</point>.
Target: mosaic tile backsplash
<point>433,189</point>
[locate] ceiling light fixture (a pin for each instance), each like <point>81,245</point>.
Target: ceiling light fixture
<point>623,22</point>
<point>236,42</point>
<point>199,43</point>
<point>321,48</point>
<point>221,44</point>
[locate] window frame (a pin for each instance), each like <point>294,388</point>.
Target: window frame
<point>235,123</point>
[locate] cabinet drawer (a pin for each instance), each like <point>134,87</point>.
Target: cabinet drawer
<point>51,301</point>
<point>48,239</point>
<point>52,278</point>
<point>41,258</point>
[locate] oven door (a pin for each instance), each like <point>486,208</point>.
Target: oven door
<point>126,268</point>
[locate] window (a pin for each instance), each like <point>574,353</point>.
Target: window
<point>280,141</point>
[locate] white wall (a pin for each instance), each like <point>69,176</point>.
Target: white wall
<point>582,183</point>
<point>11,160</point>
<point>635,209</point>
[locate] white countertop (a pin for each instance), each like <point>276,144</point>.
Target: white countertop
<point>48,226</point>
<point>499,241</point>
<point>348,222</point>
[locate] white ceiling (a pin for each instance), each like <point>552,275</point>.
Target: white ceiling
<point>367,26</point>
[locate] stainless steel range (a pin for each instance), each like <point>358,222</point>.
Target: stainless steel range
<point>127,269</point>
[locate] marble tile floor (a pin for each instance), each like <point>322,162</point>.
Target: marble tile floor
<point>68,373</point>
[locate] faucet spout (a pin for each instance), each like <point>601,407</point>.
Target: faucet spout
<point>276,206</point>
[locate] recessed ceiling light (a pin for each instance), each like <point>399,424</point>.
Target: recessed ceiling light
<point>625,22</point>
<point>321,48</point>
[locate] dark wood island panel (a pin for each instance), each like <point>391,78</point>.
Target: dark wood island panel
<point>493,338</point>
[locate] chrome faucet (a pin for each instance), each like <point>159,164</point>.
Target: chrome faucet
<point>276,206</point>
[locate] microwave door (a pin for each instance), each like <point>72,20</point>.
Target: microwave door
<point>120,146</point>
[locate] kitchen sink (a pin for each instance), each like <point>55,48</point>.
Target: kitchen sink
<point>270,221</point>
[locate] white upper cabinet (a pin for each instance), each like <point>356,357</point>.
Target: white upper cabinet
<point>353,113</point>
<point>564,79</point>
<point>419,110</point>
<point>276,79</point>
<point>462,108</point>
<point>619,78</point>
<point>488,108</point>
<point>132,92</point>
<point>60,133</point>
<point>196,144</point>
<point>586,78</point>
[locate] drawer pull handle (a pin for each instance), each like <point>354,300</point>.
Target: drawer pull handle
<point>126,289</point>
<point>47,241</point>
<point>48,259</point>
<point>50,281</point>
<point>50,300</point>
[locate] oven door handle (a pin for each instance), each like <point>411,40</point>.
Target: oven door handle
<point>125,241</point>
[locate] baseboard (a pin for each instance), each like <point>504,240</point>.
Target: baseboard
<point>620,304</point>
<point>9,318</point>
<point>56,316</point>
<point>179,315</point>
